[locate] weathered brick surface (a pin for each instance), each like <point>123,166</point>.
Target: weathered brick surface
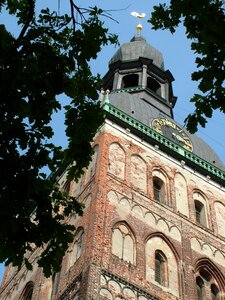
<point>121,192</point>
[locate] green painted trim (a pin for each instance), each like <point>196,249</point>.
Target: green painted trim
<point>130,89</point>
<point>172,147</point>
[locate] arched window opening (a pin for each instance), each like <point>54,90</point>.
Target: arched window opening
<point>130,80</point>
<point>214,292</point>
<point>220,213</point>
<point>161,264</point>
<point>77,248</point>
<point>160,268</point>
<point>181,195</point>
<point>123,243</point>
<point>117,158</point>
<point>94,160</point>
<point>200,289</point>
<point>200,213</point>
<point>28,291</point>
<point>158,189</point>
<point>138,173</point>
<point>206,285</point>
<point>154,86</point>
<point>92,165</point>
<point>205,275</point>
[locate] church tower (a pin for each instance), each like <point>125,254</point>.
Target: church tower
<point>153,226</point>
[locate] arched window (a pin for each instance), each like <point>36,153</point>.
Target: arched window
<point>117,160</point>
<point>214,292</point>
<point>200,213</point>
<point>181,194</point>
<point>123,243</point>
<point>138,171</point>
<point>161,264</point>
<point>220,213</point>
<point>27,292</point>
<point>160,185</point>
<point>77,247</point>
<point>158,189</point>
<point>154,86</point>
<point>206,286</point>
<point>92,165</point>
<point>200,289</point>
<point>200,206</point>
<point>160,268</point>
<point>130,80</point>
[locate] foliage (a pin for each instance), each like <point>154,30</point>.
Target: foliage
<point>204,22</point>
<point>50,56</point>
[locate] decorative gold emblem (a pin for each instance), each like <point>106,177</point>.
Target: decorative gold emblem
<point>139,16</point>
<point>173,132</point>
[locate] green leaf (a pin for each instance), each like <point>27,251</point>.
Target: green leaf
<point>48,58</point>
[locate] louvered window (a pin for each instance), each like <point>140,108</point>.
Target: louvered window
<point>160,268</point>
<point>200,213</point>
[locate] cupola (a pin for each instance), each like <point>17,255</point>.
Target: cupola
<point>137,67</point>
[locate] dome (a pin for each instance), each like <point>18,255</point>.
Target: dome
<point>138,47</point>
<point>141,110</point>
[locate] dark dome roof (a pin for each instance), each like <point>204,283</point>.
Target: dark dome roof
<point>138,108</point>
<point>138,47</point>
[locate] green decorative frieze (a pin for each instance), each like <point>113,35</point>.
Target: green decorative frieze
<point>174,149</point>
<point>128,90</point>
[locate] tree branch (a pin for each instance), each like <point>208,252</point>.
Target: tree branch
<point>29,17</point>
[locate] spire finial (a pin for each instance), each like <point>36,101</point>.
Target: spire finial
<point>106,98</point>
<point>139,16</point>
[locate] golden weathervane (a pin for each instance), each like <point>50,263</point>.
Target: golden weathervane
<point>139,16</point>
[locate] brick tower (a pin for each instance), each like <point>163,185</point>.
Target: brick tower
<point>154,219</point>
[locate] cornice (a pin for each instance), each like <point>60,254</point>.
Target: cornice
<point>154,138</point>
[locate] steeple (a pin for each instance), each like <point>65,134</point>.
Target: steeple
<point>139,67</point>
<point>153,196</point>
<point>141,88</point>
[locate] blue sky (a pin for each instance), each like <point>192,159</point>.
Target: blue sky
<point>178,58</point>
